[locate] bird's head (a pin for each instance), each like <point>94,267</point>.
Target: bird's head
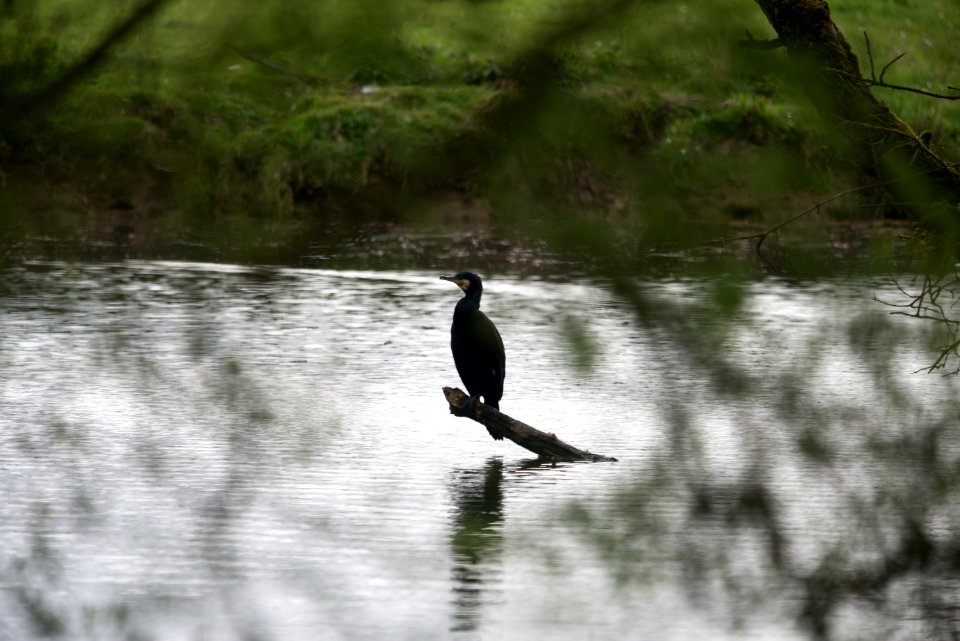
<point>467,281</point>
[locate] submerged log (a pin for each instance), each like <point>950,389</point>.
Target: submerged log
<point>544,444</point>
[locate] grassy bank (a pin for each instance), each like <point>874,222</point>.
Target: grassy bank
<point>256,126</point>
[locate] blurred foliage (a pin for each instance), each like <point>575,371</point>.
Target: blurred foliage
<point>880,561</point>
<point>616,136</point>
<point>288,117</point>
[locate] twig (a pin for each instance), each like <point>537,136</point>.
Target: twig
<point>762,236</point>
<point>883,71</point>
<point>815,207</point>
<point>926,305</point>
<point>873,73</point>
<point>922,92</point>
<point>875,82</point>
<point>293,73</point>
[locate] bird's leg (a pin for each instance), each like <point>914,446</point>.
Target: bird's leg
<point>469,406</point>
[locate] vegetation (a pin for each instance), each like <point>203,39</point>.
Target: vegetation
<point>247,128</point>
<point>626,133</point>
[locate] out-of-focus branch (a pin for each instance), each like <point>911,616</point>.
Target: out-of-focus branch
<point>52,93</point>
<point>307,78</point>
<point>530,78</point>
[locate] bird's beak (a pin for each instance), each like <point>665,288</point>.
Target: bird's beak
<point>462,284</point>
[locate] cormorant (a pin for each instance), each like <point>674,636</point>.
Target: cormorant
<point>477,347</point>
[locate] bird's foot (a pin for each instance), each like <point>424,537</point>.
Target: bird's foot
<point>467,408</point>
<point>470,406</point>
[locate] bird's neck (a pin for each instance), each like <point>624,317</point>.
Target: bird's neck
<point>467,304</point>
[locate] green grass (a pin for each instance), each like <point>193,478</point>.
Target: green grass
<point>277,109</point>
<point>925,32</point>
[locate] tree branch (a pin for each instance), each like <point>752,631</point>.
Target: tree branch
<point>761,45</point>
<point>825,65</point>
<point>544,444</point>
<point>875,82</point>
<point>55,90</point>
<point>926,305</point>
<point>293,73</point>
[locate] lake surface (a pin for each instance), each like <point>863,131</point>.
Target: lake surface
<point>198,451</point>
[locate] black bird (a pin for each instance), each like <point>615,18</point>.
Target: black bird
<point>477,347</point>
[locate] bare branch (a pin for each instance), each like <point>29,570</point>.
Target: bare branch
<point>293,73</point>
<point>873,73</point>
<point>814,208</point>
<point>922,92</point>
<point>926,305</point>
<point>883,71</point>
<point>875,82</point>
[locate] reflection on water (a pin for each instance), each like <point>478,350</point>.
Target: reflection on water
<point>198,451</point>
<point>477,541</point>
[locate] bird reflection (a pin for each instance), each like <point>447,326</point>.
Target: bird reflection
<point>477,540</point>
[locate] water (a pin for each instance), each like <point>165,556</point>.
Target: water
<point>197,451</point>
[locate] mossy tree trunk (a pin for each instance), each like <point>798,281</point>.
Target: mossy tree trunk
<point>884,145</point>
